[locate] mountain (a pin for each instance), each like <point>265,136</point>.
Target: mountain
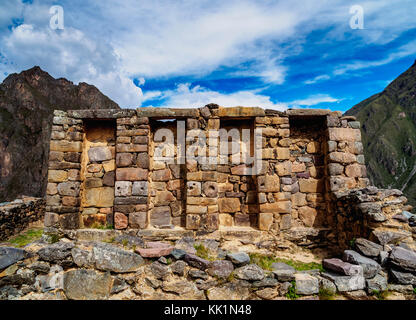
<point>27,101</point>
<point>388,127</point>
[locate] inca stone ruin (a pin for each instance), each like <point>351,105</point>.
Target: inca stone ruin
<point>307,184</point>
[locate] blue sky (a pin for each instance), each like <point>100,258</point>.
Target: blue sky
<point>272,54</point>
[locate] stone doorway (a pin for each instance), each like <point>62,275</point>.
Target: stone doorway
<point>97,173</point>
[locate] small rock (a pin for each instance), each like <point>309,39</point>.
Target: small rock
<point>196,261</point>
<point>228,291</point>
<point>400,288</point>
<point>163,260</point>
<point>342,267</point>
<point>283,271</point>
<point>197,274</point>
<point>356,295</point>
<point>159,270</point>
<point>178,267</point>
<point>178,253</point>
<point>267,293</point>
<point>205,285</point>
<point>284,288</point>
<point>368,248</point>
<point>59,252</point>
<point>370,267</point>
<point>306,284</point>
<point>119,285</point>
<point>154,283</point>
<point>327,285</point>
<point>40,266</point>
<point>185,289</point>
<point>220,268</point>
<point>266,282</point>
<point>155,252</point>
<point>251,272</point>
<point>239,258</point>
<point>383,258</point>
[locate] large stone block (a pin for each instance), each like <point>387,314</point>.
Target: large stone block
<point>265,220</point>
<point>120,221</point>
<point>229,205</point>
<point>123,188</point>
<point>70,188</point>
<point>131,174</point>
<point>57,175</point>
<point>342,157</point>
<point>161,175</point>
<point>344,134</point>
<point>311,185</point>
<point>140,188</point>
<point>124,159</point>
<point>99,154</point>
<point>355,170</point>
<point>193,221</point>
<point>276,207</point>
<point>269,183</point>
<point>138,220</point>
<point>160,216</point>
<point>66,146</point>
<point>307,215</point>
<point>99,197</point>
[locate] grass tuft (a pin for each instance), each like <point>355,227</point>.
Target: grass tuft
<point>291,293</point>
<point>325,294</point>
<point>265,262</point>
<point>27,237</point>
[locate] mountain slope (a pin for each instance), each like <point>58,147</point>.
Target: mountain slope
<point>27,101</point>
<point>388,121</point>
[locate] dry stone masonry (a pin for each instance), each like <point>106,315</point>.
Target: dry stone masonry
<point>17,215</point>
<point>309,187</point>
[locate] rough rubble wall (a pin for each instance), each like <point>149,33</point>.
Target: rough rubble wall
<point>312,163</point>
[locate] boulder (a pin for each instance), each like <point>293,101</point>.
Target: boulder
<point>9,256</point>
<point>198,274</point>
<point>81,284</point>
<point>251,272</point>
<point>110,258</point>
<point>345,283</point>
<point>239,258</point>
<point>283,272</point>
<point>386,237</point>
<point>403,277</point>
<point>403,258</point>
<point>378,283</point>
<point>220,268</point>
<point>342,267</point>
<point>368,248</point>
<point>268,281</point>
<point>306,284</point>
<point>370,267</point>
<point>59,252</point>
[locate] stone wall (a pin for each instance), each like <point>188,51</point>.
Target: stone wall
<point>308,158</point>
<point>17,215</point>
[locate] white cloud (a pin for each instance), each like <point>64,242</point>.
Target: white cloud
<point>318,79</point>
<point>313,100</point>
<point>185,96</point>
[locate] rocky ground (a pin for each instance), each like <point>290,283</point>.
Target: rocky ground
<point>107,264</point>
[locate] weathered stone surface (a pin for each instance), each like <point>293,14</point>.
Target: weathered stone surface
<point>81,284</point>
<point>403,258</point>
<point>229,205</point>
<point>120,221</point>
<point>160,216</point>
<point>56,252</point>
<point>306,284</point>
<point>387,237</point>
<point>155,252</point>
<point>228,291</point>
<point>140,188</point>
<point>283,272</point>
<point>265,220</point>
<point>124,159</point>
<point>99,154</point>
<point>344,134</point>
<point>378,283</point>
<point>403,277</point>
<point>161,175</point>
<point>131,174</point>
<point>9,256</point>
<point>99,197</point>
<point>250,272</point>
<point>220,268</point>
<point>402,288</point>
<point>196,261</point>
<point>110,258</point>
<point>178,253</point>
<point>307,215</point>
<point>123,188</point>
<point>370,267</point>
<point>138,220</point>
<point>368,248</point>
<point>178,267</point>
<point>197,274</point>
<point>70,188</point>
<point>82,258</point>
<point>310,185</point>
<point>239,258</point>
<point>345,283</point>
<point>159,270</point>
<point>342,267</point>
<point>185,289</point>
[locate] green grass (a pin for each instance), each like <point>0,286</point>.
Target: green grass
<point>291,293</point>
<point>27,237</point>
<point>380,295</point>
<point>325,294</point>
<point>265,262</point>
<point>202,252</point>
<point>414,291</point>
<point>97,225</point>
